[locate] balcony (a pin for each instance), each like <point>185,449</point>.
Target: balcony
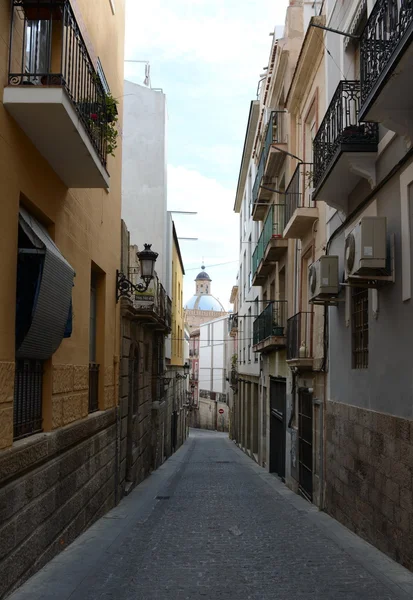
<point>344,149</point>
<point>271,160</point>
<point>233,324</point>
<point>386,65</point>
<point>300,209</point>
<point>55,94</point>
<point>271,245</point>
<point>269,329</point>
<point>300,341</point>
<point>152,308</point>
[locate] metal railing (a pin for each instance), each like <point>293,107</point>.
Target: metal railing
<point>47,48</point>
<point>258,178</point>
<point>93,387</point>
<point>27,404</point>
<point>274,135</point>
<point>299,336</point>
<point>387,24</point>
<point>232,322</point>
<point>273,228</point>
<point>275,131</point>
<point>271,322</point>
<point>298,192</point>
<point>341,126</point>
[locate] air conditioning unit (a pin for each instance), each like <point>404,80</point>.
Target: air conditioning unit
<point>366,248</point>
<point>323,278</point>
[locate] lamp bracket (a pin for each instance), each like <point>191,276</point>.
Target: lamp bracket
<point>125,288</point>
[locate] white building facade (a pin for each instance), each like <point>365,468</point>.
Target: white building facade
<point>214,345</point>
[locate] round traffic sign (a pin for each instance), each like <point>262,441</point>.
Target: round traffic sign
<point>221,411</point>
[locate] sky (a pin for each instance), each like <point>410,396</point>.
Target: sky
<point>207,56</point>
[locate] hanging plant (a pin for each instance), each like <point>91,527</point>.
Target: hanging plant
<point>101,119</point>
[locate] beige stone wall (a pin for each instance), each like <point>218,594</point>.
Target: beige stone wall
<point>84,223</point>
<point>369,465</point>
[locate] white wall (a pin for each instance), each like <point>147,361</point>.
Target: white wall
<point>144,185</point>
<point>213,351</point>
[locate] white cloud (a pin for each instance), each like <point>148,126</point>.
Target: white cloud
<point>228,33</point>
<point>215,225</point>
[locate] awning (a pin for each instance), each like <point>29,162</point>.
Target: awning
<point>45,311</point>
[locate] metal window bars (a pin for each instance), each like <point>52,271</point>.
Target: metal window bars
<point>27,404</point>
<point>93,387</point>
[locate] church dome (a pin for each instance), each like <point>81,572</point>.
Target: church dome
<point>203,276</point>
<point>203,299</point>
<point>204,302</point>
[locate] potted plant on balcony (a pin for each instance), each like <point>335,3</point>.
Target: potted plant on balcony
<point>101,118</point>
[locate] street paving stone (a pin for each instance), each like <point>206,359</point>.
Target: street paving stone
<point>215,530</point>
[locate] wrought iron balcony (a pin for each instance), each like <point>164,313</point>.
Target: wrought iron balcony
<point>55,93</point>
<point>270,162</point>
<point>153,308</point>
<point>300,208</point>
<point>233,324</point>
<point>270,246</point>
<point>344,149</point>
<point>385,51</point>
<point>269,329</point>
<point>299,339</point>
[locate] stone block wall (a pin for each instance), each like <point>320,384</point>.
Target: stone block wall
<point>6,403</point>
<point>369,468</point>
<point>52,487</point>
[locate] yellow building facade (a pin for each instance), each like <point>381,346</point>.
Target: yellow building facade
<point>178,272</point>
<point>61,84</point>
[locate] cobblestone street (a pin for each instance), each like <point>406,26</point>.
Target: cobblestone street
<point>212,524</point>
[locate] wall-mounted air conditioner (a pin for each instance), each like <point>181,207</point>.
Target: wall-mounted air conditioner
<point>366,248</point>
<point>323,279</point>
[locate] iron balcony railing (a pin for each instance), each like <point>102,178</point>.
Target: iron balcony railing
<point>27,405</point>
<point>271,322</point>
<point>275,131</point>
<point>274,135</point>
<point>93,387</point>
<point>232,322</point>
<point>258,178</point>
<point>47,48</point>
<point>298,192</point>
<point>273,228</point>
<point>340,127</point>
<point>299,336</point>
<point>386,27</point>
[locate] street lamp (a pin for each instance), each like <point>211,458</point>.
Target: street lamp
<point>186,372</point>
<point>147,259</point>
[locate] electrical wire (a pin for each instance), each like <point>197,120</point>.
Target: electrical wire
<point>216,265</point>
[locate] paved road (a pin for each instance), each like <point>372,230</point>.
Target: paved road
<point>211,524</point>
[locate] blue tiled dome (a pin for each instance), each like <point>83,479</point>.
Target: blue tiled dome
<point>204,302</point>
<point>203,276</point>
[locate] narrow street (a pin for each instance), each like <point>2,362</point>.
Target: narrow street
<point>212,524</point>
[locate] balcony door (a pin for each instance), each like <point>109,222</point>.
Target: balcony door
<point>37,59</point>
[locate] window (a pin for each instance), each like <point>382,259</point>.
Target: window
<point>93,367</point>
<point>360,328</point>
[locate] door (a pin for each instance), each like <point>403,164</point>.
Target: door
<point>278,403</point>
<point>305,443</point>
